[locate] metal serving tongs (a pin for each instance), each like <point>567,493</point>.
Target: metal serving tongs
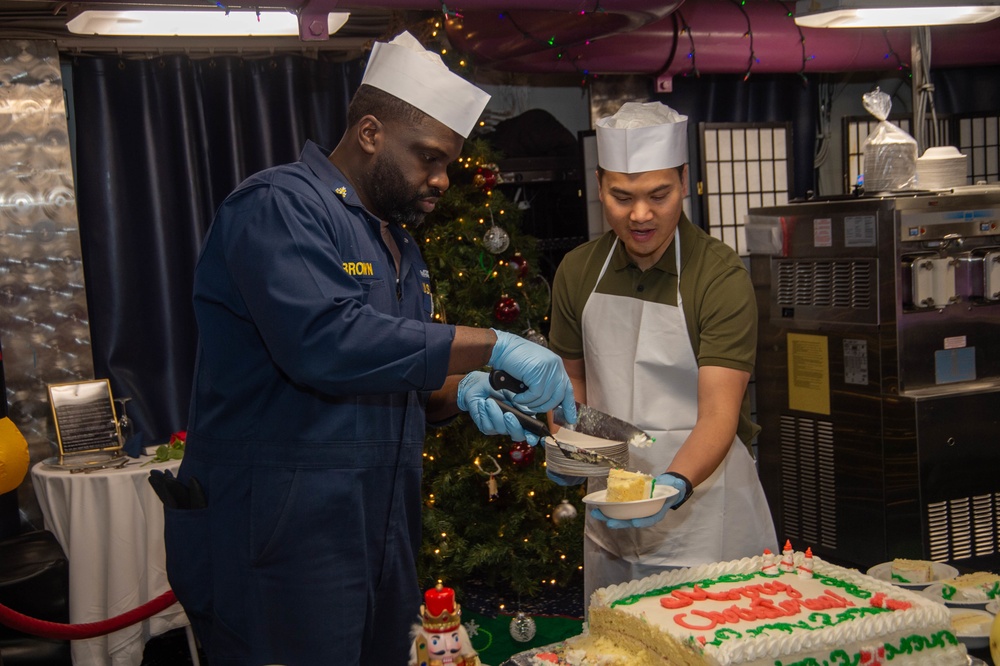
<point>500,380</point>
<point>589,421</point>
<point>537,427</point>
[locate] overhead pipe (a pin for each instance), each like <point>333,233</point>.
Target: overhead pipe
<point>579,15</point>
<point>714,36</point>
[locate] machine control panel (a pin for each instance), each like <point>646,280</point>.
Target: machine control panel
<point>937,225</point>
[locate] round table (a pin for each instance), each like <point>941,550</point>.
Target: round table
<point>110,525</point>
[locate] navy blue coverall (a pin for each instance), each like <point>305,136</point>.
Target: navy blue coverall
<point>306,427</point>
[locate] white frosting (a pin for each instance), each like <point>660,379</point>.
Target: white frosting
<point>924,617</point>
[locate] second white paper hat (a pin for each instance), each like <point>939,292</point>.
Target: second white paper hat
<point>405,69</point>
<point>642,137</point>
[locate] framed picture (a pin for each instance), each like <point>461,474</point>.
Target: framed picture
<point>84,415</point>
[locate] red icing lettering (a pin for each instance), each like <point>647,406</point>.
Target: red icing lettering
<point>759,609</point>
<point>828,600</point>
<point>683,598</point>
<point>882,601</point>
<point>681,622</point>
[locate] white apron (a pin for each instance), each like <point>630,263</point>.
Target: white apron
<point>641,368</point>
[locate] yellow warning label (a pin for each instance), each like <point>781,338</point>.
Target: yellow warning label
<point>808,373</point>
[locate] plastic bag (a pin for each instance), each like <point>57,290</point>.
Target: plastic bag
<point>890,161</point>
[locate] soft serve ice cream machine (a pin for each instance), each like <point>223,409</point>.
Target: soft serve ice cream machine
<point>878,374</point>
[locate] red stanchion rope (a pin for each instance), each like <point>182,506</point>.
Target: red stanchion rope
<point>58,631</point>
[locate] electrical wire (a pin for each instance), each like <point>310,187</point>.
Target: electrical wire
<point>925,94</point>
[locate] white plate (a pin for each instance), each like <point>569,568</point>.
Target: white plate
<point>628,510</point>
<point>934,591</point>
<point>993,606</point>
<point>977,636</point>
<point>884,572</point>
<point>561,464</point>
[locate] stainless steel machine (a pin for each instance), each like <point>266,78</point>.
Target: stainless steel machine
<point>878,374</point>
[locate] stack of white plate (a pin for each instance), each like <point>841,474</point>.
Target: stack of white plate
<point>561,464</point>
<point>941,168</point>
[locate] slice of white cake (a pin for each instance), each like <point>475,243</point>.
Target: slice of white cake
<point>628,486</point>
<point>977,586</point>
<point>912,571</point>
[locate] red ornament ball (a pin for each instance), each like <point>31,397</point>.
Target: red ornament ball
<point>506,310</point>
<point>519,265</point>
<point>485,179</point>
<point>521,453</point>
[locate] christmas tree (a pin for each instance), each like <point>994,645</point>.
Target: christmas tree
<point>490,515</point>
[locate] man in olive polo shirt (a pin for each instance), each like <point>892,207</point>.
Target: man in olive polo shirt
<point>657,325</point>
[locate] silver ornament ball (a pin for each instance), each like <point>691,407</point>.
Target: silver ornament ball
<point>496,240</point>
<point>531,335</point>
<point>563,513</point>
<point>522,628</point>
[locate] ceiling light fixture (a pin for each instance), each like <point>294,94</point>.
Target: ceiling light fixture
<point>892,13</point>
<point>203,23</point>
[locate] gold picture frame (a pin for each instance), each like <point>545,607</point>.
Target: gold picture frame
<point>84,416</point>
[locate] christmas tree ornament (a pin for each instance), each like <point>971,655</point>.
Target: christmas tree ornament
<point>519,265</point>
<point>486,177</point>
<point>491,484</point>
<point>531,335</point>
<point>522,628</point>
<point>496,239</point>
<point>521,454</point>
<point>506,310</point>
<point>563,513</point>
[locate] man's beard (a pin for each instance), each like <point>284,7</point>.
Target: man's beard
<point>392,197</point>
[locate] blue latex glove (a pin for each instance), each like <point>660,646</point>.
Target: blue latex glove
<point>478,398</point>
<point>674,501</point>
<point>565,480</point>
<point>540,369</point>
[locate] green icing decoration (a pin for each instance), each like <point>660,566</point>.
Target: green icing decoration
<point>948,591</point>
<point>690,585</point>
<point>907,645</point>
<point>849,588</point>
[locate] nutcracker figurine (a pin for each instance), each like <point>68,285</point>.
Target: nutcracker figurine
<point>440,639</point>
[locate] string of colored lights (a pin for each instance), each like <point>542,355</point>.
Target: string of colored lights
<point>892,52</point>
<point>551,42</point>
<point>802,42</point>
<point>752,58</point>
<point>691,54</point>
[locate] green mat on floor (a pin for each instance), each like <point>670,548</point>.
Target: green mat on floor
<point>491,637</point>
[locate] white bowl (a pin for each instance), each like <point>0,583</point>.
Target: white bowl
<point>975,636</point>
<point>941,153</point>
<point>628,510</point>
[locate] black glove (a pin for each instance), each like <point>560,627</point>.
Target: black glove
<point>174,494</point>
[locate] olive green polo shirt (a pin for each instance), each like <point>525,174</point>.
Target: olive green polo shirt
<point>719,303</point>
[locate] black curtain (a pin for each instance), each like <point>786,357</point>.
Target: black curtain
<point>965,90</point>
<point>729,98</point>
<point>159,144</point>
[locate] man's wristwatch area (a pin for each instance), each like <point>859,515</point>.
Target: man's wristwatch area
<point>688,488</point>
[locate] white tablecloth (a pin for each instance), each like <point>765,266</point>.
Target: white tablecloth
<point>110,524</point>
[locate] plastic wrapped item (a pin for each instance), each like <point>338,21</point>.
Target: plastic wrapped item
<point>890,153</point>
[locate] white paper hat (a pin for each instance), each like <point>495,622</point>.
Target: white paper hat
<point>405,69</point>
<point>642,137</point>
